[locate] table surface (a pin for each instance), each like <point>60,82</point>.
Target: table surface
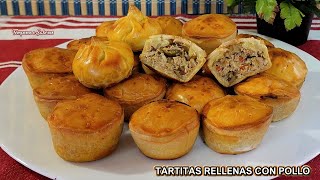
<point>14,46</point>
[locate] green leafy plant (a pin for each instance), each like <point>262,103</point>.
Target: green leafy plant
<point>291,11</point>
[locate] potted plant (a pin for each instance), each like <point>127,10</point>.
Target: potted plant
<point>287,20</point>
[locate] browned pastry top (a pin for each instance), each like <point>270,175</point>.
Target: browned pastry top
<point>209,26</point>
<point>88,113</point>
<point>50,60</point>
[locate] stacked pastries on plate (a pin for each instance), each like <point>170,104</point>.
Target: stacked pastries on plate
<point>87,91</point>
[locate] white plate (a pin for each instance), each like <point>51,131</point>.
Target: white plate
<point>25,137</point>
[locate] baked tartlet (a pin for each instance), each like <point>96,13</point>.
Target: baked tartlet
<point>49,93</point>
<point>173,57</point>
<point>287,66</point>
<point>102,29</point>
<point>43,64</point>
<point>137,91</point>
<point>266,42</point>
<point>86,129</point>
<point>210,31</point>
<point>196,93</point>
<point>102,64</point>
<point>275,92</point>
<point>235,124</point>
<point>164,129</point>
<point>238,59</point>
<point>134,29</point>
<point>75,44</point>
<point>170,25</point>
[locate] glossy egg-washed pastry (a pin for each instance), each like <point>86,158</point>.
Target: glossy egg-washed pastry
<point>196,93</point>
<point>86,129</point>
<point>238,59</point>
<point>210,31</point>
<point>75,44</point>
<point>136,91</point>
<point>49,93</point>
<point>173,57</point>
<point>170,25</point>
<point>287,66</point>
<point>235,124</point>
<point>42,64</point>
<point>275,92</point>
<point>266,42</point>
<point>134,29</point>
<point>101,30</point>
<point>164,129</point>
<point>102,64</point>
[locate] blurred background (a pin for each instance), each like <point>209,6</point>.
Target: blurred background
<point>114,7</point>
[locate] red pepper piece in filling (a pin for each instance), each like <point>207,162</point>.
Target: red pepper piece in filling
<point>219,68</point>
<point>241,59</point>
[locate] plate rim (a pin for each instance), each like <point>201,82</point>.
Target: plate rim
<point>46,173</point>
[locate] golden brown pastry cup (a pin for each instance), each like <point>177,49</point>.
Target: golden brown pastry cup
<point>43,64</point>
<point>162,131</point>
<point>287,66</point>
<point>196,93</point>
<point>210,31</point>
<point>210,44</point>
<point>170,25</point>
<point>235,124</point>
<point>49,93</point>
<point>102,29</point>
<point>38,78</point>
<point>275,92</point>
<point>133,29</point>
<point>103,64</point>
<point>137,91</point>
<point>86,129</point>
<point>234,141</point>
<point>282,108</point>
<point>45,106</point>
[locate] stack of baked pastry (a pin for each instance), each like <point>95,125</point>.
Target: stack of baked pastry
<point>239,84</point>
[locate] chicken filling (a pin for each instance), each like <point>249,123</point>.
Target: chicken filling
<point>239,62</point>
<point>173,58</point>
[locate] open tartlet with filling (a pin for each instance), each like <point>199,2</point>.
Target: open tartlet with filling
<point>238,59</point>
<point>164,129</point>
<point>173,57</point>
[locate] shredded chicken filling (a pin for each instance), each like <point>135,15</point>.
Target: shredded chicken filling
<point>239,62</point>
<point>173,58</point>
